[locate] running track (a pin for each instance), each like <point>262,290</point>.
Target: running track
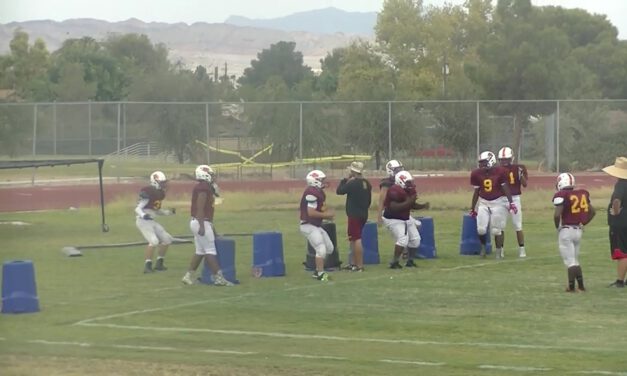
<point>56,196</point>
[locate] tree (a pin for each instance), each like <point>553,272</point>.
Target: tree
<point>280,60</point>
<point>523,59</point>
<point>26,66</point>
<point>99,67</point>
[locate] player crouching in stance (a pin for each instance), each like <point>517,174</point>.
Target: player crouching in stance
<point>400,199</point>
<point>148,206</point>
<point>201,225</point>
<point>312,211</point>
<point>572,210</point>
<point>491,192</point>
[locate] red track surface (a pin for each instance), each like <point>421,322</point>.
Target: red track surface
<point>56,196</point>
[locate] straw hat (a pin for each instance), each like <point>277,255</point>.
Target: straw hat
<point>619,169</point>
<point>357,167</point>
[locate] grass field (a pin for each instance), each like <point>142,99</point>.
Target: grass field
<point>454,315</point>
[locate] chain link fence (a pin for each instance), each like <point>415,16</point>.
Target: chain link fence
<point>269,136</point>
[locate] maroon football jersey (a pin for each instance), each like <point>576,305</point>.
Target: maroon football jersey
<point>576,205</point>
<point>312,194</point>
<point>203,186</point>
<point>513,172</point>
<point>395,194</point>
<point>489,182</point>
<point>155,197</point>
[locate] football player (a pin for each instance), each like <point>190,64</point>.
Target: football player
<point>148,206</point>
<point>391,168</point>
<point>400,199</point>
<point>573,209</point>
<point>516,178</point>
<point>201,225</point>
<point>490,201</point>
<point>312,211</point>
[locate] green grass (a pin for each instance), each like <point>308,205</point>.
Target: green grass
<point>454,315</point>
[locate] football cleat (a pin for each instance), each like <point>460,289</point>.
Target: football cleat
<point>187,279</point>
<point>395,265</point>
<point>522,253</point>
<point>568,289</point>
<point>160,267</point>
<point>410,264</point>
<point>617,283</point>
<point>148,268</point>
<point>219,280</point>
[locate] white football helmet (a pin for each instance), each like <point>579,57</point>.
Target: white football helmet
<point>404,179</point>
<point>487,159</point>
<point>506,153</point>
<point>205,173</point>
<point>393,166</point>
<point>565,180</point>
<point>158,179</point>
<point>316,178</point>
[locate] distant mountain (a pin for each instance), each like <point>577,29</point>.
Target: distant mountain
<point>211,45</point>
<point>322,21</point>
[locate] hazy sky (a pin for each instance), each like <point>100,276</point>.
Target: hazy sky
<point>214,11</point>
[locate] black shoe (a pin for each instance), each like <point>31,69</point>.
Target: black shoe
<point>395,265</point>
<point>160,267</point>
<point>148,267</point>
<point>348,267</point>
<point>410,264</point>
<point>619,284</point>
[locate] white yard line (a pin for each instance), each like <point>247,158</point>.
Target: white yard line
<point>310,356</point>
<point>59,343</point>
<point>416,342</point>
<point>413,362</point>
<point>305,356</point>
<point>514,368</point>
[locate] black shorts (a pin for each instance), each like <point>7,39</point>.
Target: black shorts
<point>618,242</point>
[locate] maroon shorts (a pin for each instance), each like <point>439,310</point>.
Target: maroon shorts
<point>355,225</point>
<point>618,243</point>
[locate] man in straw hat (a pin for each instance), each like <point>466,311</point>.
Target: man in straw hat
<point>617,219</point>
<point>358,193</point>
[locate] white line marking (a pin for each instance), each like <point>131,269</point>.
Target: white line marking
<point>341,339</point>
<point>156,348</point>
<point>418,363</point>
<point>494,262</point>
<point>513,368</point>
<point>124,314</point>
<point>314,356</point>
<point>138,347</point>
<point>59,343</point>
<point>596,372</point>
<point>213,351</point>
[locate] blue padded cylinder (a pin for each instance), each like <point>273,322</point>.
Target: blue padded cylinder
<point>19,290</point>
<point>268,254</point>
<point>427,238</point>
<point>225,248</point>
<point>470,244</point>
<point>370,243</point>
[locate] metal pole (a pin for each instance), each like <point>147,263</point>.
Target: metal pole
<point>557,139</point>
<point>89,125</point>
<point>124,125</point>
<point>54,128</point>
<point>207,132</point>
<point>119,113</point>
<point>35,129</point>
<point>478,131</point>
<point>389,130</point>
<point>300,132</point>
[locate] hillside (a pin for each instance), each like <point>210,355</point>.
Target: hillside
<point>208,44</point>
